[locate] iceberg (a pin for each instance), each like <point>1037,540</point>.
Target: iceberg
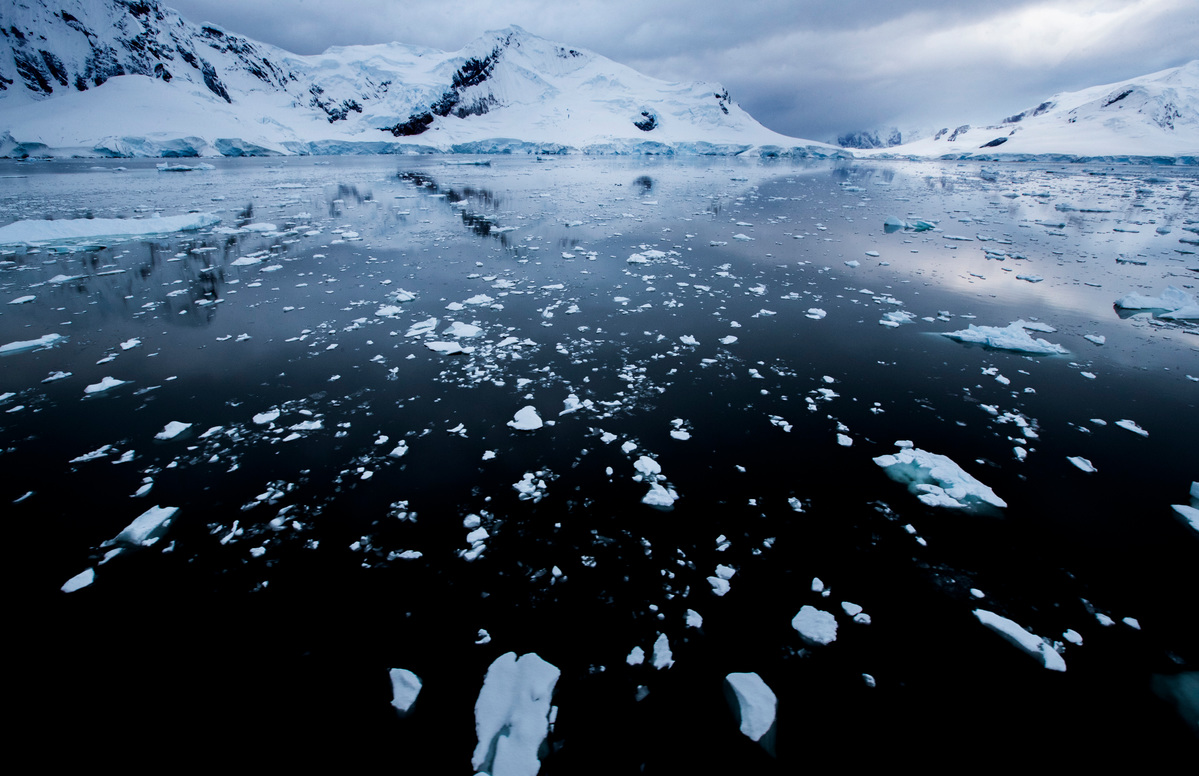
<point>1031,643</point>
<point>65,230</point>
<point>755,706</point>
<point>512,715</point>
<point>935,479</point>
<point>662,656</point>
<point>1188,515</point>
<point>815,626</point>
<point>172,430</point>
<point>1014,337</point>
<point>80,580</point>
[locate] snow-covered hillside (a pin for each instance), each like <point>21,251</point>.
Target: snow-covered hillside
<point>126,78</point>
<point>1152,117</point>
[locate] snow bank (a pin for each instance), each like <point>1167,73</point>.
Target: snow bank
<point>512,715</point>
<point>1031,643</point>
<point>40,232</point>
<point>1014,337</point>
<point>936,480</point>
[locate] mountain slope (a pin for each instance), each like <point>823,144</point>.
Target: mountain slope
<point>1155,115</point>
<point>136,78</point>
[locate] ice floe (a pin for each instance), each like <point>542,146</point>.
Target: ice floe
<point>105,384</point>
<point>936,479</point>
<point>512,715</point>
<point>1174,302</point>
<point>45,341</point>
<point>755,706</point>
<point>42,232</point>
<point>815,626</point>
<point>172,430</point>
<point>1014,337</point>
<point>146,529</point>
<point>405,687</point>
<point>1029,642</point>
<point>526,419</point>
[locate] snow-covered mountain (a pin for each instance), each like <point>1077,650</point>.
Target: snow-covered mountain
<point>1154,116</point>
<point>127,78</point>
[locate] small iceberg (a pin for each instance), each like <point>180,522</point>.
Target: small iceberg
<point>1175,303</point>
<point>45,341</point>
<point>755,706</point>
<point>815,626</point>
<point>935,479</point>
<point>512,715</point>
<point>1013,337</point>
<point>1031,643</point>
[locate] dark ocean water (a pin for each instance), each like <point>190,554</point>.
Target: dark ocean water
<point>277,600</point>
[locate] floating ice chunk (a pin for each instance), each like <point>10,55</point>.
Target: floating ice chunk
<point>23,300</point>
<point>530,487</point>
<point>754,704</point>
<point>1082,463</point>
<point>725,572</point>
<point>270,416</point>
<point>405,686</point>
<point>662,656</point>
<point>936,479</point>
<point>743,237</point>
<point>648,469</point>
<point>44,341</point>
<point>853,263</point>
<point>1129,425</point>
<point>146,529</point>
<point>80,580</point>
<point>571,404</point>
<point>463,330</point>
<point>172,430</point>
<point>105,384</point>
<point>844,440</point>
<point>512,715</point>
<point>815,313</point>
<point>526,419</point>
<point>1098,339</point>
<point>1173,300</point>
<point>1189,515</point>
<point>636,656</point>
<point>447,348</point>
<point>38,232</point>
<point>687,339</point>
<point>1031,643</point>
<point>896,318</point>
<point>815,626</point>
<point>719,586</point>
<point>1073,636</point>
<point>389,311</point>
<point>427,326</point>
<point>694,620</point>
<point>57,376</point>
<point>729,340</point>
<point>129,344</point>
<point>660,496</point>
<point>400,450</point>
<point>1012,337</point>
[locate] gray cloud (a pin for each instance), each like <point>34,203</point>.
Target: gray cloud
<point>808,69</point>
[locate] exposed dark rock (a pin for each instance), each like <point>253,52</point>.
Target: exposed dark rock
<point>28,69</point>
<point>415,125</point>
<point>55,68</point>
<point>996,142</point>
<point>213,82</point>
<point>1117,98</point>
<point>1037,111</point>
<point>958,131</point>
<point>647,123</point>
<point>940,133</point>
<point>160,71</point>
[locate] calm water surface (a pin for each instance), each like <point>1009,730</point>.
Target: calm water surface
<point>720,319</point>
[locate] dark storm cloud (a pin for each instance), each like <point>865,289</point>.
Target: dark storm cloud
<point>808,69</point>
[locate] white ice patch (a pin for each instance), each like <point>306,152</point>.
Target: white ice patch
<point>405,687</point>
<point>662,656</point>
<point>106,383</point>
<point>80,580</point>
<point>146,529</point>
<point>172,430</point>
<point>1129,425</point>
<point>462,330</point>
<point>936,479</point>
<point>62,230</point>
<point>1176,303</point>
<point>756,704</point>
<point>1082,463</point>
<point>512,715</point>
<point>526,419</point>
<point>815,626</point>
<point>1031,643</point>
<point>44,341</point>
<point>1014,337</point>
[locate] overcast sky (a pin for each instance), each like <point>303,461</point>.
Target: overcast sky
<point>806,68</point>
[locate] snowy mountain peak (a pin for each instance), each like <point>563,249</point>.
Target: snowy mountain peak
<point>1151,116</point>
<point>136,78</point>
